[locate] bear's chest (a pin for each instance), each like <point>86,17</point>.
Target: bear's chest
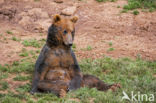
<point>60,58</point>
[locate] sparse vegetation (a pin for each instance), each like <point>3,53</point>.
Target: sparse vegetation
<point>88,48</point>
<point>135,12</point>
<point>24,53</point>
<point>152,9</point>
<point>15,39</point>
<point>74,47</point>
<point>23,88</point>
<point>4,85</point>
<point>110,43</point>
<point>1,35</point>
<point>24,66</point>
<point>4,38</point>
<point>110,49</point>
<point>124,11</point>
<point>106,0</point>
<point>9,32</point>
<point>144,4</point>
<point>37,51</point>
<point>101,0</point>
<point>21,78</point>
<point>118,6</point>
<point>34,43</point>
<point>36,0</point>
<point>3,75</point>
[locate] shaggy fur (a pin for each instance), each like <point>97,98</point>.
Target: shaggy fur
<point>56,68</point>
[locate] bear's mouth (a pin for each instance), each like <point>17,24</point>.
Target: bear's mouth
<point>68,45</point>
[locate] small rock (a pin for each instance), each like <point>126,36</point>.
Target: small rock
<point>37,12</point>
<point>25,20</point>
<point>69,11</point>
<point>58,1</point>
<point>10,12</point>
<point>5,17</point>
<point>42,25</point>
<point>97,27</point>
<point>1,1</point>
<point>34,20</point>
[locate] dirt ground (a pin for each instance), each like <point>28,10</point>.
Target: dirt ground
<point>101,26</point>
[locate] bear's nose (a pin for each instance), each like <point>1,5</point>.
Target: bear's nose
<point>70,44</point>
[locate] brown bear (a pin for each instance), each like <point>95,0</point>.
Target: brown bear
<point>56,69</point>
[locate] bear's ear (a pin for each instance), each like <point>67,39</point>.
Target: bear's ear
<point>56,18</point>
<point>74,19</point>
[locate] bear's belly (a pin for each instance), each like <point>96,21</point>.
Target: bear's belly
<point>58,74</point>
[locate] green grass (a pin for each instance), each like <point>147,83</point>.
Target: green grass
<point>3,75</point>
<point>124,11</point>
<point>34,43</point>
<point>118,6</point>
<point>9,99</point>
<point>4,85</point>
<point>88,48</point>
<point>135,12</point>
<point>24,53</point>
<point>74,47</point>
<point>4,38</point>
<point>106,0</point>
<point>36,0</point>
<point>29,54</point>
<point>24,88</point>
<point>38,51</point>
<point>1,35</point>
<point>110,43</point>
<point>110,49</point>
<point>23,66</point>
<point>133,75</point>
<point>130,73</point>
<point>101,0</point>
<point>9,32</point>
<point>152,9</point>
<point>16,39</point>
<point>143,4</point>
<point>21,78</point>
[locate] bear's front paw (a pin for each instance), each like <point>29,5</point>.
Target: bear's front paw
<point>62,93</point>
<point>32,92</point>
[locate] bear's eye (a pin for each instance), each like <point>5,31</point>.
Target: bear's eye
<point>65,31</point>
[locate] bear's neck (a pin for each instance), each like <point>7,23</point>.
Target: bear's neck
<point>58,46</point>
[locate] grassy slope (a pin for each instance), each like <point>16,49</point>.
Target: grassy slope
<point>145,5</point>
<point>134,75</point>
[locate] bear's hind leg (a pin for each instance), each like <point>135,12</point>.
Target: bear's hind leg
<point>94,82</point>
<point>58,87</point>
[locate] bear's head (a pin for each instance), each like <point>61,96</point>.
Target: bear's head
<point>62,31</point>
